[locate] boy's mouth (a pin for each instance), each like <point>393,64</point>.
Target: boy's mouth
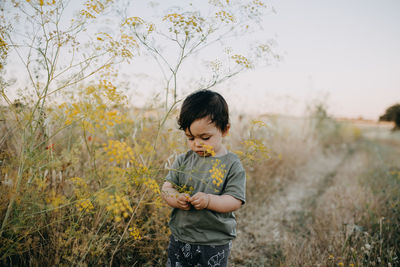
<point>202,153</point>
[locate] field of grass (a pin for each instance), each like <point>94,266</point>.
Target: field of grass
<point>325,205</point>
<point>84,187</point>
<point>81,169</point>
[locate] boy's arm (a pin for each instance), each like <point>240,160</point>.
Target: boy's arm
<point>173,198</point>
<point>223,203</point>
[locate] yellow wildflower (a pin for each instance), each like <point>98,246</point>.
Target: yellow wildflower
<point>118,151</point>
<point>217,172</point>
<point>134,232</point>
<point>84,205</point>
<point>209,150</point>
<point>55,200</point>
<point>119,207</point>
<point>242,60</point>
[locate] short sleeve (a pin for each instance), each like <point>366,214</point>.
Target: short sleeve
<point>173,173</point>
<point>236,182</point>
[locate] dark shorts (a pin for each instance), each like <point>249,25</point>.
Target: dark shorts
<point>184,254</point>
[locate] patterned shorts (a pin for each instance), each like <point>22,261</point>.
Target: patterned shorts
<point>184,254</point>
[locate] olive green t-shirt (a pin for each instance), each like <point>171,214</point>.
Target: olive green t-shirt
<point>222,175</point>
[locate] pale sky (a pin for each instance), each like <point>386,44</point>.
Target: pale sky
<point>345,51</point>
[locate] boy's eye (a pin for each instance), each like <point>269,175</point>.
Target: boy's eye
<point>190,138</point>
<point>205,138</point>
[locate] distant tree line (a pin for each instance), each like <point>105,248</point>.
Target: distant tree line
<point>392,114</point>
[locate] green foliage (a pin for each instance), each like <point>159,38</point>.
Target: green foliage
<point>392,113</point>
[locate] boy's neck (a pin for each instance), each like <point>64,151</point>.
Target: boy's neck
<point>222,152</point>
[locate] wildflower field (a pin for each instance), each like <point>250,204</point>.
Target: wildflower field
<point>90,194</point>
<point>81,167</point>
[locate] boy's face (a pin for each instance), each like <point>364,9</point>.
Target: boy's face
<point>203,135</point>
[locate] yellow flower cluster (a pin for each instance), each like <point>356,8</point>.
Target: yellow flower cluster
<point>41,2</point>
<point>81,191</point>
<point>209,150</point>
<point>225,16</point>
<point>3,49</point>
<point>396,174</point>
<point>253,147</point>
<point>184,23</point>
<point>119,47</point>
<point>242,60</point>
<point>258,3</point>
<point>93,8</point>
<point>109,91</point>
<point>133,21</point>
<point>254,7</point>
<point>84,205</point>
<point>80,187</point>
<point>119,207</point>
<point>93,110</point>
<point>78,182</point>
<point>152,184</point>
<point>118,151</point>
<point>185,189</point>
<point>55,200</point>
<point>134,232</point>
<point>217,172</point>
<point>141,175</point>
<point>136,22</point>
<point>140,171</point>
<point>219,3</point>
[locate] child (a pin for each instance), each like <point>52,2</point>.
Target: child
<point>204,186</point>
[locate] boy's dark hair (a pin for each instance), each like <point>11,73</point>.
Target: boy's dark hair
<point>201,104</point>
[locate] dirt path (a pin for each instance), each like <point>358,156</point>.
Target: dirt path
<point>291,208</point>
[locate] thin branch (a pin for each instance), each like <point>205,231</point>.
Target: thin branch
<point>81,79</point>
<point>153,49</point>
<point>85,61</point>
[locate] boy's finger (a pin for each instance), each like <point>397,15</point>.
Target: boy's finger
<point>185,206</point>
<point>182,202</point>
<point>194,197</point>
<point>183,198</point>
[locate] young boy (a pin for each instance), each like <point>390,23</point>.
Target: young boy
<point>204,186</point>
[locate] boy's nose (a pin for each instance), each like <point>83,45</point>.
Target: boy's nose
<point>198,143</point>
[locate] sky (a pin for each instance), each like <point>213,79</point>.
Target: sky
<point>343,53</point>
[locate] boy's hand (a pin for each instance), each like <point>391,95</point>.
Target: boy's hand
<point>200,200</point>
<point>183,201</point>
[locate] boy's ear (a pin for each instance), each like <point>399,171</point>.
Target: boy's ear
<point>226,132</point>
